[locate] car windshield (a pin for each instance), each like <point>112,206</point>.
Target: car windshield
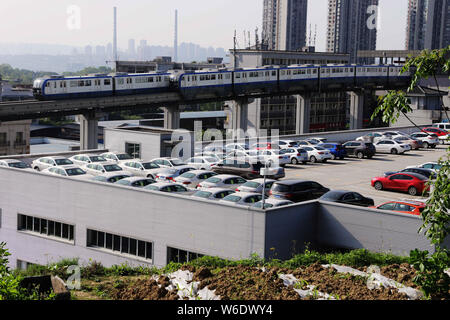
<point>19,165</point>
<point>63,162</point>
<point>320,148</point>
<point>188,175</point>
<point>75,172</point>
<point>331,196</point>
<point>177,162</point>
<point>150,165</point>
<point>112,168</point>
<point>124,156</point>
<point>280,188</point>
<point>232,198</point>
<point>213,180</point>
<point>266,205</point>
<point>124,182</point>
<point>151,187</point>
<point>251,184</point>
<point>97,159</point>
<point>202,194</point>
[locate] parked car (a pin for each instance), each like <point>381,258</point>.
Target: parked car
<point>136,182</point>
<point>287,144</point>
<point>413,183</point>
<point>13,163</point>
<point>171,173</point>
<point>272,203</point>
<point>347,197</point>
<point>337,150</point>
<point>218,156</point>
<point>360,149</point>
<point>410,207</point>
<point>303,143</point>
<point>413,143</point>
<point>102,167</point>
<point>391,146</point>
<point>236,146</point>
<point>276,157</point>
<point>111,177</point>
<point>192,178</point>
<point>47,162</point>
<point>168,162</point>
<point>373,137</point>
<point>238,154</point>
<point>265,146</point>
<point>394,134</point>
<point>202,163</point>
<point>428,140</point>
<point>242,198</point>
<point>222,181</point>
<point>213,193</point>
<point>67,171</point>
<point>442,126</point>
<point>169,188</point>
<point>436,131</point>
<point>429,173</point>
<point>117,157</point>
<point>143,169</point>
<point>296,155</point>
<point>429,165</point>
<point>316,140</point>
<point>214,149</point>
<point>297,190</point>
<point>82,159</point>
<point>256,186</point>
<point>316,154</point>
<point>247,168</point>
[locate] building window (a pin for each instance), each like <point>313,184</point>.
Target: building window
<point>3,141</point>
<point>45,227</point>
<point>120,244</point>
<point>133,149</point>
<point>181,256</point>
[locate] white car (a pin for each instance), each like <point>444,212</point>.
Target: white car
<point>428,140</point>
<point>169,188</point>
<point>434,166</point>
<point>316,140</point>
<point>272,203</point>
<point>168,162</point>
<point>47,162</point>
<point>136,182</point>
<point>284,144</point>
<point>111,177</point>
<point>82,159</point>
<point>101,167</point>
<point>202,163</point>
<point>142,169</point>
<point>13,163</point>
<point>304,143</point>
<point>236,146</point>
<point>392,146</point>
<point>72,171</point>
<point>218,156</point>
<point>272,156</point>
<point>316,154</point>
<point>226,181</point>
<point>214,149</point>
<point>213,193</point>
<point>117,157</point>
<point>296,155</point>
<point>192,178</point>
<point>256,186</point>
<point>242,198</point>
<point>373,137</point>
<point>394,134</point>
<point>169,174</point>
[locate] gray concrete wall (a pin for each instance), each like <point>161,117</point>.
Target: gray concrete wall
<point>166,220</point>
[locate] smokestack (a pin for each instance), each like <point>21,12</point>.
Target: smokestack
<point>115,36</point>
<point>175,42</point>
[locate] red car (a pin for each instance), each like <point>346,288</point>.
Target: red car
<point>413,183</point>
<point>410,207</point>
<point>265,146</point>
<point>436,131</point>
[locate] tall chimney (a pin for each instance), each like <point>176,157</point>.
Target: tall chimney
<point>115,57</point>
<point>175,42</point>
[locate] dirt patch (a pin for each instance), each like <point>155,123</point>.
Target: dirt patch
<point>145,290</point>
<point>402,273</point>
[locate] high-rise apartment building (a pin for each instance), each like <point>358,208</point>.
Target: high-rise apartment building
<point>352,26</point>
<point>284,24</point>
<point>132,47</point>
<point>428,25</point>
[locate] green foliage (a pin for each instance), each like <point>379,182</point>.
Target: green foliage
<point>391,106</point>
<point>89,70</point>
<point>21,75</point>
<point>430,271</point>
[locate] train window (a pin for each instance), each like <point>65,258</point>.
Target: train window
<point>322,71</point>
<point>238,75</point>
<point>351,69</point>
<point>274,73</point>
<point>314,71</point>
<point>107,82</point>
<point>267,73</point>
<point>81,83</point>
<point>208,77</point>
<point>244,75</point>
<point>309,71</point>
<point>61,84</point>
<point>54,84</point>
<point>120,81</point>
<point>166,78</point>
<point>88,83</point>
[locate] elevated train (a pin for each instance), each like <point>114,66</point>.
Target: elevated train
<point>212,83</point>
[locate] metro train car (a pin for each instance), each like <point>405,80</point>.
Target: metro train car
<point>259,80</point>
<point>140,83</point>
<point>203,83</point>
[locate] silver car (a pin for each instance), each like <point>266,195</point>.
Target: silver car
<point>13,163</point>
<point>242,198</point>
<point>428,140</point>
<point>272,203</point>
<point>102,167</point>
<point>168,162</point>
<point>169,188</point>
<point>136,182</point>
<point>82,159</point>
<point>222,181</point>
<point>192,178</point>
<point>72,171</point>
<point>202,163</point>
<point>213,193</point>
<point>296,155</point>
<point>143,169</point>
<point>47,162</point>
<point>256,186</point>
<point>111,177</point>
<point>170,174</point>
<point>117,156</point>
<point>392,146</point>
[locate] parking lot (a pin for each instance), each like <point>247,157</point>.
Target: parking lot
<point>355,175</point>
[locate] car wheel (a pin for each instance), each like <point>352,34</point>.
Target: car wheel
<point>360,155</point>
<point>294,161</point>
<point>412,191</point>
<point>324,160</point>
<point>37,169</point>
<point>333,157</point>
<point>426,145</point>
<point>433,146</point>
<point>313,159</point>
<point>342,158</point>
<point>378,186</point>
<point>394,151</point>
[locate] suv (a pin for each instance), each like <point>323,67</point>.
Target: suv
<point>337,150</point>
<point>360,149</point>
<point>297,190</point>
<point>428,140</point>
<point>245,168</point>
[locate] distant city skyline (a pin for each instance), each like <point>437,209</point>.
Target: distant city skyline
<point>154,22</point>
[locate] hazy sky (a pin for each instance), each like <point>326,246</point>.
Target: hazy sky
<point>205,22</point>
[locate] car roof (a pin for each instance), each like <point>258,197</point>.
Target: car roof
<point>133,179</point>
<point>11,160</point>
<point>340,192</point>
<point>53,157</point>
<point>225,176</point>
<point>165,184</point>
<point>200,171</point>
<point>245,194</point>
<point>407,202</point>
<point>261,180</point>
<point>114,174</point>
<point>291,182</point>
<point>416,175</point>
<point>68,166</point>
<point>275,201</point>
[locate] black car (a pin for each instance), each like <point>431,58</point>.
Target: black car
<point>430,174</point>
<point>297,190</point>
<point>360,149</point>
<point>347,197</point>
<point>245,168</point>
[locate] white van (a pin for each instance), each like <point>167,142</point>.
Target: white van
<point>445,126</point>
